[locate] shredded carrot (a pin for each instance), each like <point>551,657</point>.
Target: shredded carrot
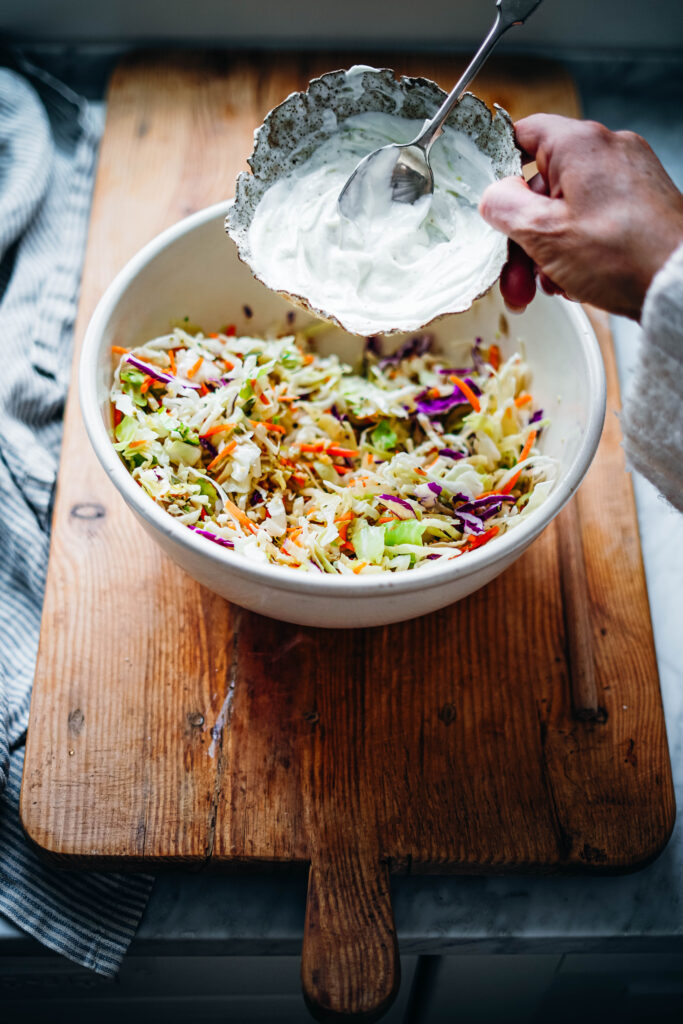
<point>137,444</point>
<point>308,359</point>
<point>331,449</point>
<point>146,385</point>
<point>119,350</point>
<point>344,453</point>
<point>213,335</point>
<point>240,516</point>
<point>346,517</point>
<point>171,356</point>
<point>433,393</point>
<point>274,427</point>
<point>420,470</point>
<point>386,519</point>
<point>193,369</point>
<point>494,357</point>
<point>466,390</point>
<point>299,478</point>
<point>118,416</point>
<point>342,470</point>
<point>228,365</point>
<point>287,398</point>
<point>294,532</point>
<point>521,400</point>
<point>527,446</point>
<point>343,529</point>
<point>357,568</point>
<point>203,390</point>
<point>523,455</point>
<point>217,428</point>
<point>483,538</point>
<point>348,546</point>
<point>433,462</point>
<point>221,455</point>
<point>511,484</point>
<point>262,398</point>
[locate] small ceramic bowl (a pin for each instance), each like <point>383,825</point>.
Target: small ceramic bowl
<point>295,128</point>
<point>193,270</point>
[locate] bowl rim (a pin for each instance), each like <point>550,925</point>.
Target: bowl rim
<point>281,577</point>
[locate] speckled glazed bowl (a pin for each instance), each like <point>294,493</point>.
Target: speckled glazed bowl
<point>193,270</point>
<point>293,130</point>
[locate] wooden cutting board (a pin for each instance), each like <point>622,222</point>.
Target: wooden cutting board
<point>520,729</point>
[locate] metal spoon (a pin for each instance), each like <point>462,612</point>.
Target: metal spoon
<point>412,175</point>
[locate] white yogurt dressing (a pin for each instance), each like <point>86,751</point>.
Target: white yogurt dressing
<point>395,266</point>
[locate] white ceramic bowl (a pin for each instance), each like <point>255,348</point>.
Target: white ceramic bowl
<point>193,270</point>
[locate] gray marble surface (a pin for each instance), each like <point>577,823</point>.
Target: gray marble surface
<point>641,912</point>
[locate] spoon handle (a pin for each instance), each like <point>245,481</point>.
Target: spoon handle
<point>509,13</point>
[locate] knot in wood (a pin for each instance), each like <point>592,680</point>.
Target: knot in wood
<point>76,721</point>
<point>448,714</point>
<point>196,719</point>
<point>88,511</point>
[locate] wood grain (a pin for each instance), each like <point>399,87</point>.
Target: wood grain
<point>167,726</point>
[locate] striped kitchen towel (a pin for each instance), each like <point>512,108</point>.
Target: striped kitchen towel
<point>48,148</point>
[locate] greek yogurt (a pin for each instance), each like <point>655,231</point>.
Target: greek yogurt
<point>394,266</point>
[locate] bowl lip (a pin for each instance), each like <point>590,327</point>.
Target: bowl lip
<point>280,577</point>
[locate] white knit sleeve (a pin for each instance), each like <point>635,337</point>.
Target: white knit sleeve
<point>652,419</point>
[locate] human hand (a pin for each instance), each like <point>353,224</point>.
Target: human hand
<point>596,223</point>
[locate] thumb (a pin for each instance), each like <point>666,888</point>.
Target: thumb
<point>510,206</point>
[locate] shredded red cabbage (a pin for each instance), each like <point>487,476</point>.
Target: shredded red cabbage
<point>208,447</point>
<point>399,501</point>
<point>212,536</point>
<point>487,506</point>
<point>155,374</point>
<point>473,523</point>
<point>417,346</point>
<point>477,357</point>
<point>438,406</point>
<point>451,453</point>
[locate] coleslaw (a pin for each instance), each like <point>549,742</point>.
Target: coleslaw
<point>289,457</point>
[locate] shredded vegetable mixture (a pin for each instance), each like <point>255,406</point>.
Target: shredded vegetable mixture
<point>295,459</point>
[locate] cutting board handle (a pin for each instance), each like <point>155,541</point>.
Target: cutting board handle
<point>350,968</point>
